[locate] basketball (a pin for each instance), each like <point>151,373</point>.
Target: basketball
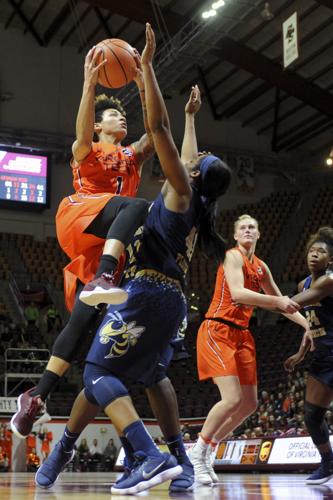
<point>120,68</point>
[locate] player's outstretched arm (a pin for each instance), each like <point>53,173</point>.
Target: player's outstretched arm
<point>323,287</point>
<point>189,150</point>
<point>144,147</point>
<point>86,115</point>
<point>159,124</point>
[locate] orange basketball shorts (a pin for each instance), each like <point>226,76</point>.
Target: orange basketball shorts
<point>223,351</point>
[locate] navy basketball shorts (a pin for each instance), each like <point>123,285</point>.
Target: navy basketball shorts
<point>133,339</point>
<point>321,367</point>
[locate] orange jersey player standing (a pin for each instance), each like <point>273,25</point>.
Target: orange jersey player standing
<point>225,346</point>
<point>94,225</point>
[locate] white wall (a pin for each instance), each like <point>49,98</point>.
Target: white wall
<point>102,430</point>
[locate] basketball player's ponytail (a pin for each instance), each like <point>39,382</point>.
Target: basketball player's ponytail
<point>215,178</point>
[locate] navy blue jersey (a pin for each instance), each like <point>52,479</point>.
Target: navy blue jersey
<point>134,336</point>
<point>166,242</point>
<point>320,318</point>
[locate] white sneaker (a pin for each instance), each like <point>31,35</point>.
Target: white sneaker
<point>210,459</point>
<point>43,419</point>
<point>197,455</point>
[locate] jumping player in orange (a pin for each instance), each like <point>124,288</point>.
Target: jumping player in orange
<point>94,225</point>
<point>102,168</point>
<point>225,346</point>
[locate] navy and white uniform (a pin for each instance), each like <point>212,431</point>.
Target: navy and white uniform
<point>320,318</point>
<point>134,338</point>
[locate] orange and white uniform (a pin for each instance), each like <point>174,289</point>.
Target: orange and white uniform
<point>6,443</point>
<point>225,346</point>
<point>47,439</point>
<point>31,443</point>
<point>107,171</point>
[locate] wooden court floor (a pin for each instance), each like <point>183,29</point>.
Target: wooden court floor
<point>96,486</point>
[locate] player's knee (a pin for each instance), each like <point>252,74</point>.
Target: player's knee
<point>160,377</point>
<point>232,404</point>
<point>141,205</point>
<point>314,417</point>
<point>105,389</point>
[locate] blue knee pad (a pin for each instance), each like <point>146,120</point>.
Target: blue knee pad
<point>101,387</point>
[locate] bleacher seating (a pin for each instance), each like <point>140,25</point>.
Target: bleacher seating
<point>321,215</point>
<point>44,261</point>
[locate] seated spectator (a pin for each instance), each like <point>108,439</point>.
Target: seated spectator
<point>186,437</point>
<point>95,456</point>
<point>110,455</point>
<point>94,450</point>
<point>83,455</point>
<point>265,397</point>
<point>3,461</point>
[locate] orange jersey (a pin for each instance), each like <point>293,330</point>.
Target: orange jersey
<point>107,171</point>
<point>31,441</point>
<point>47,438</point>
<point>222,305</point>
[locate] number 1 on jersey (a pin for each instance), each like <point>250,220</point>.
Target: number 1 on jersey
<point>119,185</point>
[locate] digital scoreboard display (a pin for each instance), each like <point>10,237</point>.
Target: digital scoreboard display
<point>23,178</point>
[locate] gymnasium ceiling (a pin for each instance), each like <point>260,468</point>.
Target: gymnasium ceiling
<point>236,57</point>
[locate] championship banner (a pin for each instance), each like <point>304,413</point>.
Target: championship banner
<point>245,173</point>
<point>290,40</point>
<point>8,405</point>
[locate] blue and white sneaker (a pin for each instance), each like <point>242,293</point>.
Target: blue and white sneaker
<point>322,474</point>
<point>147,472</point>
<point>48,472</point>
<point>185,480</point>
<point>128,466</point>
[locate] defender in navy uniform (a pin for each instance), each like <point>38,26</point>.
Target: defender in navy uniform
<point>133,341</point>
<point>316,297</point>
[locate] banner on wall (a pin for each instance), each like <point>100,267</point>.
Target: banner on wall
<point>299,450</point>
<point>245,173</point>
<point>8,405</point>
<point>295,451</point>
<point>290,40</point>
<point>245,451</point>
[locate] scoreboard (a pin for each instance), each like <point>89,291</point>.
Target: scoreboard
<point>23,177</point>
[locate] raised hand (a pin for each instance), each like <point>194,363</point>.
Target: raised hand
<point>139,73</point>
<point>194,103</point>
<point>92,66</point>
<point>150,47</point>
